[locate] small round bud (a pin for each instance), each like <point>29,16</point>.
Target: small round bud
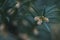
<point>39,22</point>
<point>10,11</point>
<point>17,5</point>
<point>31,9</point>
<point>35,31</point>
<point>36,18</point>
<point>46,19</point>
